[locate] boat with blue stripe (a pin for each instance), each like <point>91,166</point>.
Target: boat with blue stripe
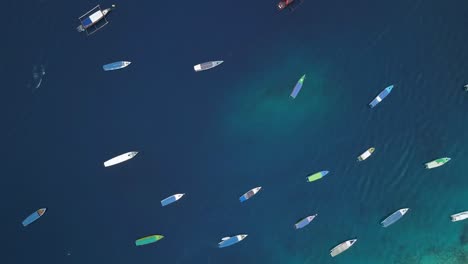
<point>94,20</point>
<point>381,96</point>
<point>116,65</point>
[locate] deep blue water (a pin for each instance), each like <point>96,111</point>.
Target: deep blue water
<point>216,134</point>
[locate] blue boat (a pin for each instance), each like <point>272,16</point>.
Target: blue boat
<point>34,216</point>
<point>298,87</point>
<point>229,241</point>
<point>381,96</point>
<point>172,199</point>
<point>304,222</point>
<point>116,65</point>
<point>394,217</point>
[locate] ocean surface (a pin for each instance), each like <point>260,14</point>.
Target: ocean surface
<point>216,134</point>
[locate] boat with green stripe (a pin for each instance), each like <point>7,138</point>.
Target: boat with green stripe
<point>316,176</point>
<point>437,163</point>
<point>148,240</point>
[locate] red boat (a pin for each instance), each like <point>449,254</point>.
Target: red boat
<point>290,4</point>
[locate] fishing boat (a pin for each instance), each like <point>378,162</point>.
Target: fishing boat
<point>316,176</point>
<point>391,219</point>
<point>342,247</point>
<point>381,96</point>
<point>460,216</point>
<point>298,87</point>
<point>172,199</point>
<point>229,241</point>
<point>249,194</point>
<point>34,216</point>
<point>207,65</point>
<point>148,240</point>
<point>116,65</point>
<point>304,221</point>
<point>121,158</point>
<point>94,20</point>
<point>366,154</point>
<point>437,163</point>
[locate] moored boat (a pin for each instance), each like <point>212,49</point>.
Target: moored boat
<point>460,216</point>
<point>342,247</point>
<point>172,199</point>
<point>34,216</point>
<point>304,221</point>
<point>366,154</point>
<point>391,219</point>
<point>316,176</point>
<point>207,65</point>
<point>148,240</point>
<point>249,194</point>
<point>298,87</point>
<point>121,158</point>
<point>229,241</point>
<point>116,65</point>
<point>437,163</point>
<point>381,96</point>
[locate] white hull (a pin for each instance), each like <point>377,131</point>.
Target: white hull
<point>433,164</point>
<point>342,247</point>
<point>121,158</point>
<point>459,216</point>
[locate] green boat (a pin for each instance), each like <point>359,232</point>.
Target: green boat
<point>316,176</point>
<point>148,240</point>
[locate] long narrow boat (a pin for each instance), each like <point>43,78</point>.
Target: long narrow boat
<point>172,199</point>
<point>436,163</point>
<point>249,194</point>
<point>148,240</point>
<point>342,247</point>
<point>460,216</point>
<point>316,176</point>
<point>34,216</point>
<point>391,219</point>
<point>366,154</point>
<point>206,65</point>
<point>381,96</point>
<point>116,65</point>
<point>298,87</point>
<point>304,221</point>
<point>229,241</point>
<point>121,158</point>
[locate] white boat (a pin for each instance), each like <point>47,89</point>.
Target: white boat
<point>437,163</point>
<point>206,65</point>
<point>120,158</point>
<point>172,199</point>
<point>342,247</point>
<point>460,216</point>
<point>366,154</point>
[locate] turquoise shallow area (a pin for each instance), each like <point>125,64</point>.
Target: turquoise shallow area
<point>216,134</point>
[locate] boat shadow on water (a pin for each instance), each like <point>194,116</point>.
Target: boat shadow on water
<point>463,238</point>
